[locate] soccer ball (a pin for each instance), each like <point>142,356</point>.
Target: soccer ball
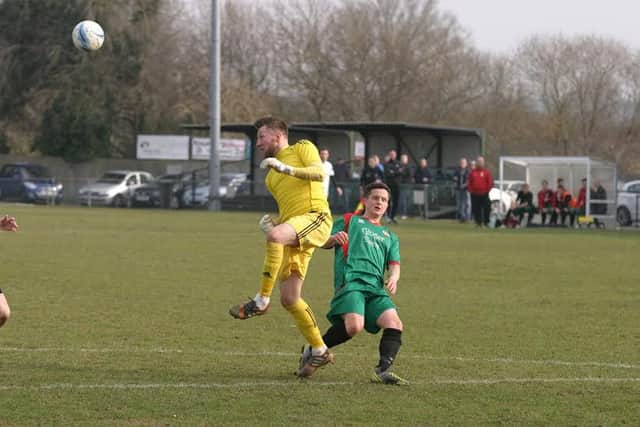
<point>88,35</point>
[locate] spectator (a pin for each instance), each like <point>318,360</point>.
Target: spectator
<point>406,179</point>
<point>423,173</point>
<point>343,178</point>
<point>329,173</point>
<point>597,192</point>
<point>370,174</point>
<point>563,201</point>
<point>393,177</point>
<point>479,184</point>
<point>546,201</point>
<point>524,205</point>
<point>379,164</point>
<point>460,178</point>
<point>580,204</point>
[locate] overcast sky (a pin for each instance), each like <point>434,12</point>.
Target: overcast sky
<point>499,25</point>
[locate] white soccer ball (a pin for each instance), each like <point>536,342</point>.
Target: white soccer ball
<point>88,35</point>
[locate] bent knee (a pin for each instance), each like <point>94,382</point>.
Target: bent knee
<point>286,301</point>
<point>391,322</point>
<point>354,328</point>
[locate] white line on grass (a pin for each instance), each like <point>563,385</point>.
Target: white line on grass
<point>501,360</point>
<point>263,384</point>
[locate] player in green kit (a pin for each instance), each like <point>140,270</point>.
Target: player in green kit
<point>364,250</point>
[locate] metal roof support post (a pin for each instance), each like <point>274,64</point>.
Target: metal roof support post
<point>252,164</point>
<point>501,184</point>
<point>439,158</point>
<point>587,208</point>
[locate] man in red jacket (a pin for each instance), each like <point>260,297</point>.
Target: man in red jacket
<point>479,184</point>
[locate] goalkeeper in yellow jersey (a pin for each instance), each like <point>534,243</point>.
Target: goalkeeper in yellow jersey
<point>295,179</point>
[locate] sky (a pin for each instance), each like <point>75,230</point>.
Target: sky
<point>499,25</point>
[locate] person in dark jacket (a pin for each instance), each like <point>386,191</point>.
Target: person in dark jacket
<point>393,177</point>
<point>460,178</point>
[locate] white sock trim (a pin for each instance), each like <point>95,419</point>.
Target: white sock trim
<point>318,351</point>
<point>261,301</point>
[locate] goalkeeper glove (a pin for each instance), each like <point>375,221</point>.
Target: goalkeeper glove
<point>266,223</point>
<point>272,162</point>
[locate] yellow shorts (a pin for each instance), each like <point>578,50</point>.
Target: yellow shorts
<point>313,230</point>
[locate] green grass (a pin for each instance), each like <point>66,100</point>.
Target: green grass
<point>120,317</point>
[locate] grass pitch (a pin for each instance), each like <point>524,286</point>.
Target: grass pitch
<point>120,317</point>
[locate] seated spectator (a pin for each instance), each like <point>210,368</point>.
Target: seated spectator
<point>579,204</point>
<point>546,201</point>
<point>597,192</point>
<point>524,205</point>
<point>563,203</point>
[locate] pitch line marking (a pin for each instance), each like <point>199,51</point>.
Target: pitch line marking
<point>258,384</point>
<point>503,360</point>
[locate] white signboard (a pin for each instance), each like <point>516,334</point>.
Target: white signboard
<point>228,150</point>
<point>358,150</point>
<point>171,147</point>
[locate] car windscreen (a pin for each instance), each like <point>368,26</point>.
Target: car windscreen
<point>36,171</point>
<point>112,178</point>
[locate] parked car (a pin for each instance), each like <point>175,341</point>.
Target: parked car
<point>113,188</point>
<point>151,193</point>
<point>29,182</point>
<point>231,184</point>
<point>628,203</point>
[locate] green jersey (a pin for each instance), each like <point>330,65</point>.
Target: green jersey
<point>361,264</point>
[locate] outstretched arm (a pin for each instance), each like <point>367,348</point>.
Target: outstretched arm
<point>338,239</point>
<point>309,173</point>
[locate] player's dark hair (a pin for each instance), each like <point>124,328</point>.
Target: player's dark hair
<point>272,123</point>
<point>376,186</point>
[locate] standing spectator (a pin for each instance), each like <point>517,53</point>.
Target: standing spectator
<point>546,201</point>
<point>329,174</point>
<point>370,174</point>
<point>479,184</point>
<point>423,173</point>
<point>422,178</point>
<point>379,164</point>
<point>343,179</point>
<point>598,192</point>
<point>460,178</point>
<point>393,177</point>
<point>405,186</point>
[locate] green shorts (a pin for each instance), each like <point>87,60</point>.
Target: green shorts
<point>370,305</point>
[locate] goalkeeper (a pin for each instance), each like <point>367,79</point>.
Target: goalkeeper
<point>364,249</point>
<point>295,179</point>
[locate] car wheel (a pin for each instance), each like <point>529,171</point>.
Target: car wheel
<point>623,216</point>
<point>119,201</point>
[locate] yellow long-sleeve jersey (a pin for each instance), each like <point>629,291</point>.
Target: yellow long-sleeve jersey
<point>297,196</point>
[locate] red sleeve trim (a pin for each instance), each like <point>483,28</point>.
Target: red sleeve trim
<point>347,219</point>
<point>393,263</point>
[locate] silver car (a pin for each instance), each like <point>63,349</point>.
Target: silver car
<point>230,185</point>
<point>628,203</point>
<point>113,188</point>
